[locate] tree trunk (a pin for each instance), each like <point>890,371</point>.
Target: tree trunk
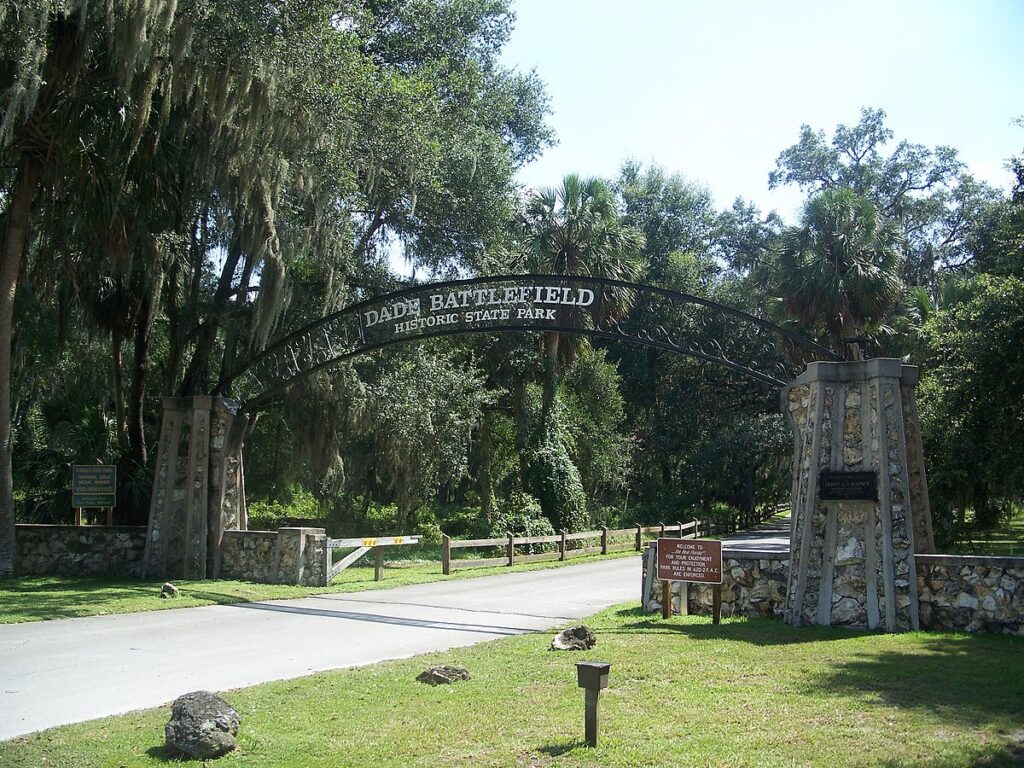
<point>484,474</point>
<point>550,382</point>
<point>15,237</point>
<point>200,364</point>
<point>140,371</point>
<point>522,428</point>
<point>117,352</point>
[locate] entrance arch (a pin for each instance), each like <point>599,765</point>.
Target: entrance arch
<point>677,322</point>
<point>852,558</point>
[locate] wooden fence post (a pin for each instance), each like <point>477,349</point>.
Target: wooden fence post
<point>604,539</point>
<point>696,528</point>
<point>662,534</point>
<point>561,547</point>
<point>511,549</point>
<point>446,554</point>
<point>639,538</point>
<point>680,529</point>
<point>378,563</point>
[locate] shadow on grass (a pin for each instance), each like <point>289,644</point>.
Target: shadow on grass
<point>557,750</point>
<point>166,755</point>
<point>756,631</point>
<point>972,680</point>
<point>32,599</point>
<point>996,757</point>
<point>67,597</point>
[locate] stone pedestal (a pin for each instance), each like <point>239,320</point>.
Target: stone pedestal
<point>198,491</point>
<point>852,562</point>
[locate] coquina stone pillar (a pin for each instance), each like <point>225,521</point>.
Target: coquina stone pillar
<point>852,561</point>
<point>198,491</point>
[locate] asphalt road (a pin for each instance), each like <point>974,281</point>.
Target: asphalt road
<point>66,671</point>
<point>769,537</point>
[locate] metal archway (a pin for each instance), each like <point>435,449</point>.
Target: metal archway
<point>591,306</point>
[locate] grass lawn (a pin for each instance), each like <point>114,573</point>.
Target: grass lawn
<point>1006,541</point>
<point>683,693</point>
<point>53,597</point>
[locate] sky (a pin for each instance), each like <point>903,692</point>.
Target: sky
<point>716,89</point>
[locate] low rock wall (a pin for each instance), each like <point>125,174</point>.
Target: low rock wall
<point>286,556</point>
<point>955,592</point>
<point>79,550</point>
<point>976,594</point>
<point>753,584</point>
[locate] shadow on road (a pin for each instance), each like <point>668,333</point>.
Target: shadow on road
<point>345,598</point>
<point>452,626</point>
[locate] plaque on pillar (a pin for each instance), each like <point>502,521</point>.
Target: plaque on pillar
<point>848,486</point>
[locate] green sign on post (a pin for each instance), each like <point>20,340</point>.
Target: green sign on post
<point>93,485</point>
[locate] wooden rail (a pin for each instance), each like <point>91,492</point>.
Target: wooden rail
<point>636,535</point>
<point>602,538</point>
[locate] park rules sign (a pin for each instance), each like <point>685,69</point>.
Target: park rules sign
<point>694,560</point>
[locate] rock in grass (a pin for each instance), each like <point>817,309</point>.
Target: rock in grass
<point>168,590</point>
<point>202,725</point>
<point>578,638</point>
<point>443,675</point>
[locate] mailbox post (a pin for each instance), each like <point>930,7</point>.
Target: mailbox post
<point>591,676</point>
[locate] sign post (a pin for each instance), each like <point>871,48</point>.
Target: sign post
<point>93,486</point>
<point>690,560</point>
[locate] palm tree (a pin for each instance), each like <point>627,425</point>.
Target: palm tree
<point>576,230</point>
<point>840,267</point>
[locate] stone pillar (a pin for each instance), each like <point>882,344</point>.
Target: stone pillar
<point>852,562</point>
<point>197,487</point>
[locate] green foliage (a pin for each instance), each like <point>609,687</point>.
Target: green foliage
<point>925,192</point>
<point>300,506</point>
<point>675,215</point>
<point>592,413</point>
<point>840,267</point>
<point>556,483</point>
<point>971,395</point>
<point>521,515</point>
<point>430,534</point>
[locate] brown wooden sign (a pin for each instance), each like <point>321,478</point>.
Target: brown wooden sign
<point>696,560</point>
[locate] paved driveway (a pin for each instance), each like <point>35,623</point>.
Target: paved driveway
<point>66,671</point>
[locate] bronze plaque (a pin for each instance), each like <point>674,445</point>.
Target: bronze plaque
<point>696,560</point>
<point>848,486</point>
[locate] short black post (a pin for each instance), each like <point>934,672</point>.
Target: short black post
<point>592,676</point>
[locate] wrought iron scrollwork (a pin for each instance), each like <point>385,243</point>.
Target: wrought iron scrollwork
<point>597,307</point>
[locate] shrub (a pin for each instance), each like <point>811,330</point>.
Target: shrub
<point>300,508</point>
<point>556,481</point>
<point>520,514</point>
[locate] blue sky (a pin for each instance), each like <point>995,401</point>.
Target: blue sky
<point>715,90</point>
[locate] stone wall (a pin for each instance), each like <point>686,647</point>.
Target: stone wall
<point>955,592</point>
<point>753,584</point>
<point>79,550</point>
<point>969,593</point>
<point>287,556</point>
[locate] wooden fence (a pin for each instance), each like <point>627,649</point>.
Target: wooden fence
<point>604,537</point>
